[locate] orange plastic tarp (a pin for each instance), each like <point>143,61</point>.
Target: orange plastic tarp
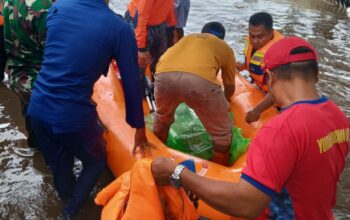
<point>135,195</point>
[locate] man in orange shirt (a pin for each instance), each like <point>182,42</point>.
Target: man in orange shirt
<point>150,18</point>
<point>187,73</point>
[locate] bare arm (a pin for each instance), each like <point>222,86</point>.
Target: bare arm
<point>240,66</point>
<point>235,199</point>
<point>229,90</point>
<point>254,114</point>
<point>228,74</point>
<point>141,142</point>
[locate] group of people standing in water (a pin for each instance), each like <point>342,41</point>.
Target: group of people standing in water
<point>56,52</point>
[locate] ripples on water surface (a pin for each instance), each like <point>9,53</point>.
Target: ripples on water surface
<point>27,193</point>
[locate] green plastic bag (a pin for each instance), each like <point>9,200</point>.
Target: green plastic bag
<point>187,134</point>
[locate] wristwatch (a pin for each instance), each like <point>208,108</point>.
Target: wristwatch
<point>175,177</point>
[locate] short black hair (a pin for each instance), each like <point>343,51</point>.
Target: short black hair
<point>215,28</point>
<point>307,70</point>
<point>261,18</point>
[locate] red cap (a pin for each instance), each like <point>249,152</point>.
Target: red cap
<point>279,53</point>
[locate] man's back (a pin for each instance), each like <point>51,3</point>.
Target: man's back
<point>200,54</point>
<point>303,149</point>
<point>82,38</point>
<point>321,136</point>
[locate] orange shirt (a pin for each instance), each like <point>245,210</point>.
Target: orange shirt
<point>150,12</point>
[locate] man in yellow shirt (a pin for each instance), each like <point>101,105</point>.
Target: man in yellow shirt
<point>187,73</point>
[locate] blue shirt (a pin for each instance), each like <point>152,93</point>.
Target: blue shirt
<point>82,38</point>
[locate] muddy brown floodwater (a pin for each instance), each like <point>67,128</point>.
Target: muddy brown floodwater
<point>26,189</point>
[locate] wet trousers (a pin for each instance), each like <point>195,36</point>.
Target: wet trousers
<point>3,56</point>
<point>60,149</point>
<point>24,98</point>
<point>204,97</point>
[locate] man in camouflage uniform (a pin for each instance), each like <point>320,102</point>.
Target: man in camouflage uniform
<point>3,56</point>
<point>25,33</point>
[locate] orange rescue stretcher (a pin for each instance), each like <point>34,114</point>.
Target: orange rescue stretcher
<point>119,136</point>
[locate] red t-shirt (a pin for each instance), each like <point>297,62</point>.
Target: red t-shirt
<point>303,150</point>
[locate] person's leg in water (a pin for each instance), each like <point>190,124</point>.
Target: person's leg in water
<point>167,100</point>
<point>23,95</point>
<point>3,56</point>
<point>59,159</point>
<point>208,101</point>
<point>89,147</point>
<point>60,149</point>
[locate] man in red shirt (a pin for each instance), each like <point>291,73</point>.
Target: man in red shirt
<point>303,149</point>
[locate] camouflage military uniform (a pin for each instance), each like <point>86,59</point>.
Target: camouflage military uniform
<point>25,33</point>
<point>3,56</point>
